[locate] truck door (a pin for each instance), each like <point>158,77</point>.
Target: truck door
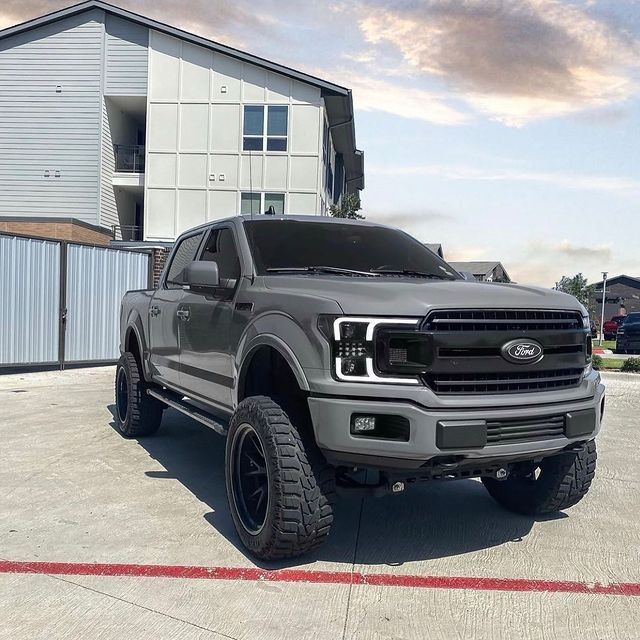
<point>211,329</point>
<point>164,319</point>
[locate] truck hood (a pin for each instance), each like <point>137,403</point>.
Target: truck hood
<point>416,296</point>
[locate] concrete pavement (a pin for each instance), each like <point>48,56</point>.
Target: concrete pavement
<point>73,491</point>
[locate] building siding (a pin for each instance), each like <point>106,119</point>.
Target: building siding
<point>50,81</point>
<point>108,207</point>
<point>126,58</point>
<point>195,166</point>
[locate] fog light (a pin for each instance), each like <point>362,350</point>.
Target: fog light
<point>362,424</point>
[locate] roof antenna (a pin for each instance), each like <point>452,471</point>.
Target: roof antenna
<point>270,211</point>
<point>251,182</point>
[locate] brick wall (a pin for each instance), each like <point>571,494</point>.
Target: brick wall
<point>57,230</point>
<point>159,257</point>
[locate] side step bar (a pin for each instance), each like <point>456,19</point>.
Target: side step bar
<point>174,401</point>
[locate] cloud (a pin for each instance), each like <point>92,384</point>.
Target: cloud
<point>515,60</point>
<point>404,219</point>
<point>230,23</point>
<point>371,94</point>
<point>544,264</point>
<point>461,253</point>
<point>599,253</point>
<point>583,182</point>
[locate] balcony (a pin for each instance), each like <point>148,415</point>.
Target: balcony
<point>126,233</point>
<point>129,158</point>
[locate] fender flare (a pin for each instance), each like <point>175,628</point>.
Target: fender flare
<point>273,341</point>
<point>134,324</point>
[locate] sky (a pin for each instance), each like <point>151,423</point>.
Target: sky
<point>504,129</point>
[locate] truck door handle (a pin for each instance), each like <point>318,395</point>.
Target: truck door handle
<point>183,313</point>
<point>154,311</point>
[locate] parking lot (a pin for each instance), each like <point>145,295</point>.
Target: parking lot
<point>107,538</point>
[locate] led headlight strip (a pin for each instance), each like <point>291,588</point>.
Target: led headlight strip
<point>362,348</point>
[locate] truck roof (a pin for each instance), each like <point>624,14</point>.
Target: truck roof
<point>289,217</point>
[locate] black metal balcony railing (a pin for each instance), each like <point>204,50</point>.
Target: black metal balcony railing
<point>128,233</point>
<point>129,158</point>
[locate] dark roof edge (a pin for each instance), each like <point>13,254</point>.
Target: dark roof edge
<point>75,9</point>
<point>622,275</point>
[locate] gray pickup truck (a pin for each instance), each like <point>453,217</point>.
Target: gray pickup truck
<point>340,356</point>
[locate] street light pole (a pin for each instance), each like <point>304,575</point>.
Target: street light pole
<point>604,298</point>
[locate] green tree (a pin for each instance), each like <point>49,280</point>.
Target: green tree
<point>578,287</point>
<point>348,208</point>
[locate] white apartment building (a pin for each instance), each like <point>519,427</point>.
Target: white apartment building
<point>137,130</point>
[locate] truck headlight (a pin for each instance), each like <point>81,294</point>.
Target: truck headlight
<point>353,347</point>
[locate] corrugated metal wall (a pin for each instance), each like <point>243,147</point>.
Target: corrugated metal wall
<point>29,300</point>
<point>97,278</point>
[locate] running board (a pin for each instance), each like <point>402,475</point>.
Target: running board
<point>174,401</point>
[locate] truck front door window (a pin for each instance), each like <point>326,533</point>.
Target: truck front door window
<point>184,255</point>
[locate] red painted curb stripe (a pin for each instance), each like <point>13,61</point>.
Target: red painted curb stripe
<point>317,577</point>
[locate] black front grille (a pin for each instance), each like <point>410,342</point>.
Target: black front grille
<point>502,320</point>
<point>524,429</point>
<point>466,348</point>
<point>503,381</point>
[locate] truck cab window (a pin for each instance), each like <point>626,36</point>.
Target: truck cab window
<point>183,256</point>
<point>221,248</point>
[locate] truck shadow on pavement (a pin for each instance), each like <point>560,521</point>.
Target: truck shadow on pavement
<point>428,521</point>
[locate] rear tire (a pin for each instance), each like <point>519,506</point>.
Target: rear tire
<point>563,481</point>
<point>280,488</point>
<point>137,413</point>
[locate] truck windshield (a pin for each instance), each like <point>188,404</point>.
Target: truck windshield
<point>288,246</point>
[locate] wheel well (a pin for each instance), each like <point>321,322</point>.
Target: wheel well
<point>269,374</point>
<point>132,346</point>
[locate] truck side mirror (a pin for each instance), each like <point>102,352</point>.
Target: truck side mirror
<point>202,274</point>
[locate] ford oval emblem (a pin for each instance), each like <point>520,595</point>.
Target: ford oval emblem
<point>523,351</point>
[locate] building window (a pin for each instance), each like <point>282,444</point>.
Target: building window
<point>252,203</point>
<point>273,120</point>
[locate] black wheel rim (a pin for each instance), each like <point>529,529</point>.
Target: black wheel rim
<point>122,400</point>
<point>250,479</point>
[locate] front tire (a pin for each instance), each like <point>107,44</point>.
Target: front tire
<point>557,483</point>
<point>279,486</point>
<point>137,413</point>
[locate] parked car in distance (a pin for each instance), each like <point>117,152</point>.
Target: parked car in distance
<point>611,327</point>
<point>628,336</point>
<point>343,356</point>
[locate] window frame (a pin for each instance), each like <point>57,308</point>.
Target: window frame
<point>165,277</point>
<point>264,147</point>
<point>214,229</point>
<point>263,195</point>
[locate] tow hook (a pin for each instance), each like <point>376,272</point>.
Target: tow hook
<point>502,474</point>
<point>397,487</point>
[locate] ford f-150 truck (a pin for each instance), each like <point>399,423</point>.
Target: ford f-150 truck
<point>341,356</point>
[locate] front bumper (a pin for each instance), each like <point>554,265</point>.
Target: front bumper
<point>331,418</point>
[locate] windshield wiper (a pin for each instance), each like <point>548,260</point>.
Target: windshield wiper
<point>320,269</point>
<point>410,272</point>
